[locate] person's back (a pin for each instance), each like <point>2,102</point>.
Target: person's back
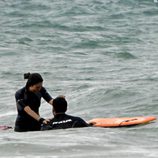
<point>62,120</point>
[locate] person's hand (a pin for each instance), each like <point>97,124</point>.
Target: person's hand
<point>61,96</point>
<point>44,121</point>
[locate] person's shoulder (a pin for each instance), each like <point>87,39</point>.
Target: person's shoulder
<point>43,89</point>
<point>78,121</point>
<point>19,91</point>
<point>75,117</point>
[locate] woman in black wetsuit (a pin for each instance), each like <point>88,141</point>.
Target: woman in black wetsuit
<point>28,100</point>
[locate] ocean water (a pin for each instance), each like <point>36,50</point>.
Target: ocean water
<point>101,54</point>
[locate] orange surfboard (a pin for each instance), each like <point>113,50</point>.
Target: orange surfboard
<point>120,122</point>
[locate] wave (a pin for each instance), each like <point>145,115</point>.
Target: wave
<point>125,55</point>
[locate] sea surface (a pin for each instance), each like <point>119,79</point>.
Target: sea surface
<point>101,54</point>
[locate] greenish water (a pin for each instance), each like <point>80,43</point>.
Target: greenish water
<point>102,55</point>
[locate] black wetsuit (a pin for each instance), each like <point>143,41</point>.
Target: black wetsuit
<point>24,122</point>
<point>63,121</point>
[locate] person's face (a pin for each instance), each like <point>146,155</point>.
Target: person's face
<point>36,88</point>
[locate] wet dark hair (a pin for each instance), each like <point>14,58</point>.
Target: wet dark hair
<point>59,105</point>
<point>32,79</point>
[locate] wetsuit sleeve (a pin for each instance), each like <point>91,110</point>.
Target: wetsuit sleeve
<point>21,103</point>
<point>80,123</point>
<point>46,95</point>
<point>17,96</point>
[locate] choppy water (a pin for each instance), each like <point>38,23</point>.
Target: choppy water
<point>101,54</point>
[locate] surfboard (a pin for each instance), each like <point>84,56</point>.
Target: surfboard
<point>121,122</point>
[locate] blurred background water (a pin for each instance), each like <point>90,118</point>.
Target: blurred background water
<point>102,55</point>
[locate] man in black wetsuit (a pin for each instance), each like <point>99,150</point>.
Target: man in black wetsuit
<point>62,120</point>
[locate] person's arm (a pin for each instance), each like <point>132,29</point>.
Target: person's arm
<point>80,123</point>
<point>48,97</point>
<point>30,112</point>
<point>34,115</point>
